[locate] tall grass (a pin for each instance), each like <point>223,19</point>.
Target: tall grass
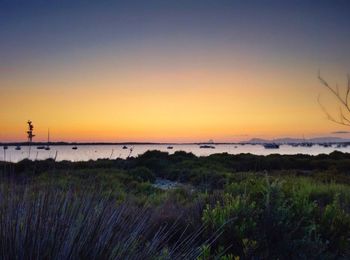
<point>50,223</point>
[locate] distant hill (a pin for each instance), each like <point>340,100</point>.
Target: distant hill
<point>329,139</point>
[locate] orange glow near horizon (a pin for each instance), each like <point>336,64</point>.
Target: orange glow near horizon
<point>170,71</point>
<point>143,101</point>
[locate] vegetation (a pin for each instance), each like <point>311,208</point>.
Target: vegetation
<point>227,207</point>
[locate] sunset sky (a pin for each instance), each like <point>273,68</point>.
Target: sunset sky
<point>170,71</point>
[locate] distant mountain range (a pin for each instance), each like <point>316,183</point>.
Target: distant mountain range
<point>251,141</point>
<point>299,140</point>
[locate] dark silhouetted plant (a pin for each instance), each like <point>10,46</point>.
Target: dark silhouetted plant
<point>53,224</point>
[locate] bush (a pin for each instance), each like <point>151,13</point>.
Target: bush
<point>335,229</point>
<point>272,225</point>
<point>143,174</point>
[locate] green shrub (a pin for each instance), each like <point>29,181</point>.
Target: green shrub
<point>237,217</point>
<point>142,174</point>
<point>335,228</point>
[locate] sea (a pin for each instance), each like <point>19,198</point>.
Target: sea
<point>110,151</point>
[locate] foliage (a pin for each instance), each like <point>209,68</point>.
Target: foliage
<point>279,223</point>
<point>224,207</point>
<point>143,174</point>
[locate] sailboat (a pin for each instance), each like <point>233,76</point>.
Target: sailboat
<point>305,144</point>
<point>209,144</point>
<point>47,148</point>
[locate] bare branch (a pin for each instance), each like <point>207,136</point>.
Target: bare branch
<point>347,91</point>
<point>334,91</point>
<point>344,102</point>
<point>342,119</point>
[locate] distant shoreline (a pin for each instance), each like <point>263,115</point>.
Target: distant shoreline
<point>341,141</point>
<point>253,141</point>
<point>110,143</point>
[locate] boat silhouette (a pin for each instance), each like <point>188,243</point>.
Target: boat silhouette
<point>271,146</point>
<point>205,146</point>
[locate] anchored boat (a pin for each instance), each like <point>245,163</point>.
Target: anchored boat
<point>271,146</point>
<point>205,146</point>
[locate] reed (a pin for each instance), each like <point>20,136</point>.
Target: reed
<point>49,223</point>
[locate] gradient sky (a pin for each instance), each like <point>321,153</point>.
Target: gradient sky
<point>180,70</point>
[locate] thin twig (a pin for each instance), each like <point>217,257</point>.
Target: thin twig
<point>344,102</point>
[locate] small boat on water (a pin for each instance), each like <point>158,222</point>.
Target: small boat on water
<point>205,146</point>
<point>40,147</point>
<point>125,147</point>
<point>306,144</point>
<point>271,146</point>
<point>18,148</point>
<point>74,148</point>
<point>170,147</point>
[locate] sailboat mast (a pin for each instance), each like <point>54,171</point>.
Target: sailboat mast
<point>48,139</point>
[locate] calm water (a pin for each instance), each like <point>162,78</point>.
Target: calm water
<point>94,152</point>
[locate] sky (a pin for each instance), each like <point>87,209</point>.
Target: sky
<point>170,71</point>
